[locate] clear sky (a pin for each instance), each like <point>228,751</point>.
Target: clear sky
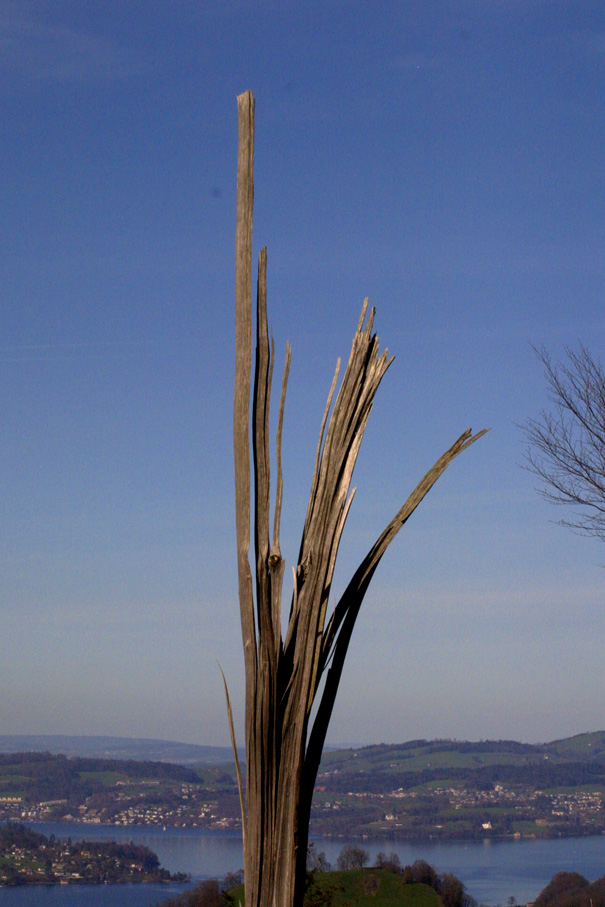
<point>444,159</point>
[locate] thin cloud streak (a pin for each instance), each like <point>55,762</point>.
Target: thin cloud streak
<point>32,53</point>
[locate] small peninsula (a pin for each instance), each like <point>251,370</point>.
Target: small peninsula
<point>30,858</point>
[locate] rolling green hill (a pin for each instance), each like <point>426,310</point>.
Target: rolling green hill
<point>349,888</point>
<point>373,888</point>
<point>457,758</point>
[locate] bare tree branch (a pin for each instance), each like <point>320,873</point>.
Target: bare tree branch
<point>566,446</point>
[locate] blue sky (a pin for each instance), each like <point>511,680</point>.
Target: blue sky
<point>442,158</point>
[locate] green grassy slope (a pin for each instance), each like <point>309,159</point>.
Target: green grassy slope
<point>363,888</point>
<point>583,747</point>
<point>375,888</point>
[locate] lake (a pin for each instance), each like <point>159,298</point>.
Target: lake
<point>492,871</point>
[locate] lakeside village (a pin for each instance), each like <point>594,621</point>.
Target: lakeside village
<point>440,812</point>
<point>440,790</point>
<point>30,858</point>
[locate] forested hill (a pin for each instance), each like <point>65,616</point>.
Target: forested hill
<point>41,776</point>
<point>583,754</point>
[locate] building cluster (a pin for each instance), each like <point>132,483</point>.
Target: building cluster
<point>428,811</point>
<point>133,804</point>
<point>28,858</point>
<point>583,805</point>
<point>457,811</point>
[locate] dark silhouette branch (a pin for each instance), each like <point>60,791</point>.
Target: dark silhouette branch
<point>566,446</point>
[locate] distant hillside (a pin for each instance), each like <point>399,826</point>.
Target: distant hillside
<point>436,756</point>
<point>444,789</point>
<point>412,756</point>
<point>423,789</point>
<point>117,748</point>
<point>589,747</point>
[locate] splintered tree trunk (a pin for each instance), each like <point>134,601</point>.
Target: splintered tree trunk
<point>286,677</point>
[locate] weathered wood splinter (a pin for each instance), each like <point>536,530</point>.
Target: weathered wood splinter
<point>285,678</point>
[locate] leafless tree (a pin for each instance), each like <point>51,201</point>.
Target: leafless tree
<point>567,443</point>
<point>352,857</point>
<point>391,863</point>
<point>287,678</point>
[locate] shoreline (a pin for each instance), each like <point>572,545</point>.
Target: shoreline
<point>378,837</point>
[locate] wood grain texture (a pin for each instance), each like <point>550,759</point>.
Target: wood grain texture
<point>286,678</point>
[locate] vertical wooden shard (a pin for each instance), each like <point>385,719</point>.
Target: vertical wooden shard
<point>241,413</point>
<point>285,678</point>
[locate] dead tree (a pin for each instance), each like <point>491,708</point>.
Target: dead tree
<point>567,443</point>
<point>287,677</point>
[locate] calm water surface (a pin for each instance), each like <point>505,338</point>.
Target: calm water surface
<point>492,871</point>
